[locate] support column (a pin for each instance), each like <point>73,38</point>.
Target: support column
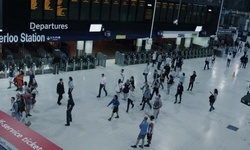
<point>148,44</point>
<point>178,42</point>
<point>138,45</point>
<point>88,47</point>
<point>187,42</point>
<point>79,46</point>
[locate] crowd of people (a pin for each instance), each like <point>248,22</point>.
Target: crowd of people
<point>166,71</point>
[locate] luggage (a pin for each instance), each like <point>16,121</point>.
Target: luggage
<point>246,100</point>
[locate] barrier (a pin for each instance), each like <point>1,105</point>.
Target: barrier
<point>15,135</point>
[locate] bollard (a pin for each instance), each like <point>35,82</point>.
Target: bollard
<point>74,65</point>
<point>66,66</point>
<point>24,69</point>
<point>42,67</point>
<point>88,63</point>
<point>34,68</point>
<point>5,72</point>
<point>81,64</point>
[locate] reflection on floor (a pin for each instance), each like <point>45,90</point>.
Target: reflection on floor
<point>185,126</point>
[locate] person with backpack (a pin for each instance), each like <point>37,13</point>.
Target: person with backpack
<point>212,99</point>
<point>157,105</point>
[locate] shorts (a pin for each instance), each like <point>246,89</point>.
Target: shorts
<point>115,109</point>
<point>140,136</point>
<point>10,79</point>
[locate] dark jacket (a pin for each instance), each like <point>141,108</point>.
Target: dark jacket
<point>192,78</point>
<point>70,104</point>
<point>60,88</point>
<point>179,89</point>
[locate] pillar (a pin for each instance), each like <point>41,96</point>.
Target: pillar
<point>138,45</point>
<point>88,47</point>
<point>187,42</point>
<point>148,44</point>
<point>79,47</point>
<point>178,42</point>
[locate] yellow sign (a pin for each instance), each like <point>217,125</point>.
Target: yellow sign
<point>120,37</point>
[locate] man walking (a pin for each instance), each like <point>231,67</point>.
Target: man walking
<point>191,81</point>
<point>70,106</point>
<point>122,75</point>
<point>146,97</point>
<point>157,105</point>
<point>143,131</point>
<point>60,91</point>
<point>150,131</point>
<point>179,92</point>
<point>102,85</point>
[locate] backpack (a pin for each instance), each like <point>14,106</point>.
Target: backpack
<point>20,105</point>
<point>211,99</point>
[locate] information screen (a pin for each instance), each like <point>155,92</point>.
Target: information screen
<point>105,10</point>
<point>115,10</point>
<point>84,10</point>
<point>62,9</point>
<point>36,8</point>
<point>140,11</point>
<point>49,9</point>
<point>74,9</point>
<point>164,8</point>
<point>95,10</point>
<point>124,11</point>
<point>132,10</point>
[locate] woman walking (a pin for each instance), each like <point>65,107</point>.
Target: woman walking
<point>131,98</point>
<point>212,99</point>
<point>116,104</point>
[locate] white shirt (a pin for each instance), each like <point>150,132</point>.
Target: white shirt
<point>70,85</point>
<point>118,87</point>
<point>103,80</point>
<point>154,56</point>
<point>168,60</point>
<point>147,69</point>
<point>131,95</point>
<point>122,76</point>
<point>229,56</point>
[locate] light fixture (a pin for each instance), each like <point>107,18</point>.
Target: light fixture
<point>209,10</point>
<point>149,5</point>
<point>178,15</point>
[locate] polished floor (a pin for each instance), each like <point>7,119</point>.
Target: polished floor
<point>185,126</point>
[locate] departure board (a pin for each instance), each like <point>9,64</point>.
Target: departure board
<point>194,13</point>
<point>204,14</point>
<point>74,9</point>
<point>182,13</point>
<point>62,9</point>
<point>49,9</point>
<point>140,11</point>
<point>132,10</point>
<point>170,12</point>
<point>124,11</point>
<point>163,15</point>
<point>36,7</point>
<point>105,10</point>
<point>176,9</point>
<point>115,10</point>
<point>95,10</point>
<point>157,11</point>
<point>84,10</point>
<point>1,15</point>
<point>199,12</point>
<point>188,13</point>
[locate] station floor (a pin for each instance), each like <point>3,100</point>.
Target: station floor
<point>185,126</point>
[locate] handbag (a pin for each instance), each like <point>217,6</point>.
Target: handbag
<point>33,101</point>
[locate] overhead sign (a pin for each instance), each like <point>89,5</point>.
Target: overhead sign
<point>15,135</point>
